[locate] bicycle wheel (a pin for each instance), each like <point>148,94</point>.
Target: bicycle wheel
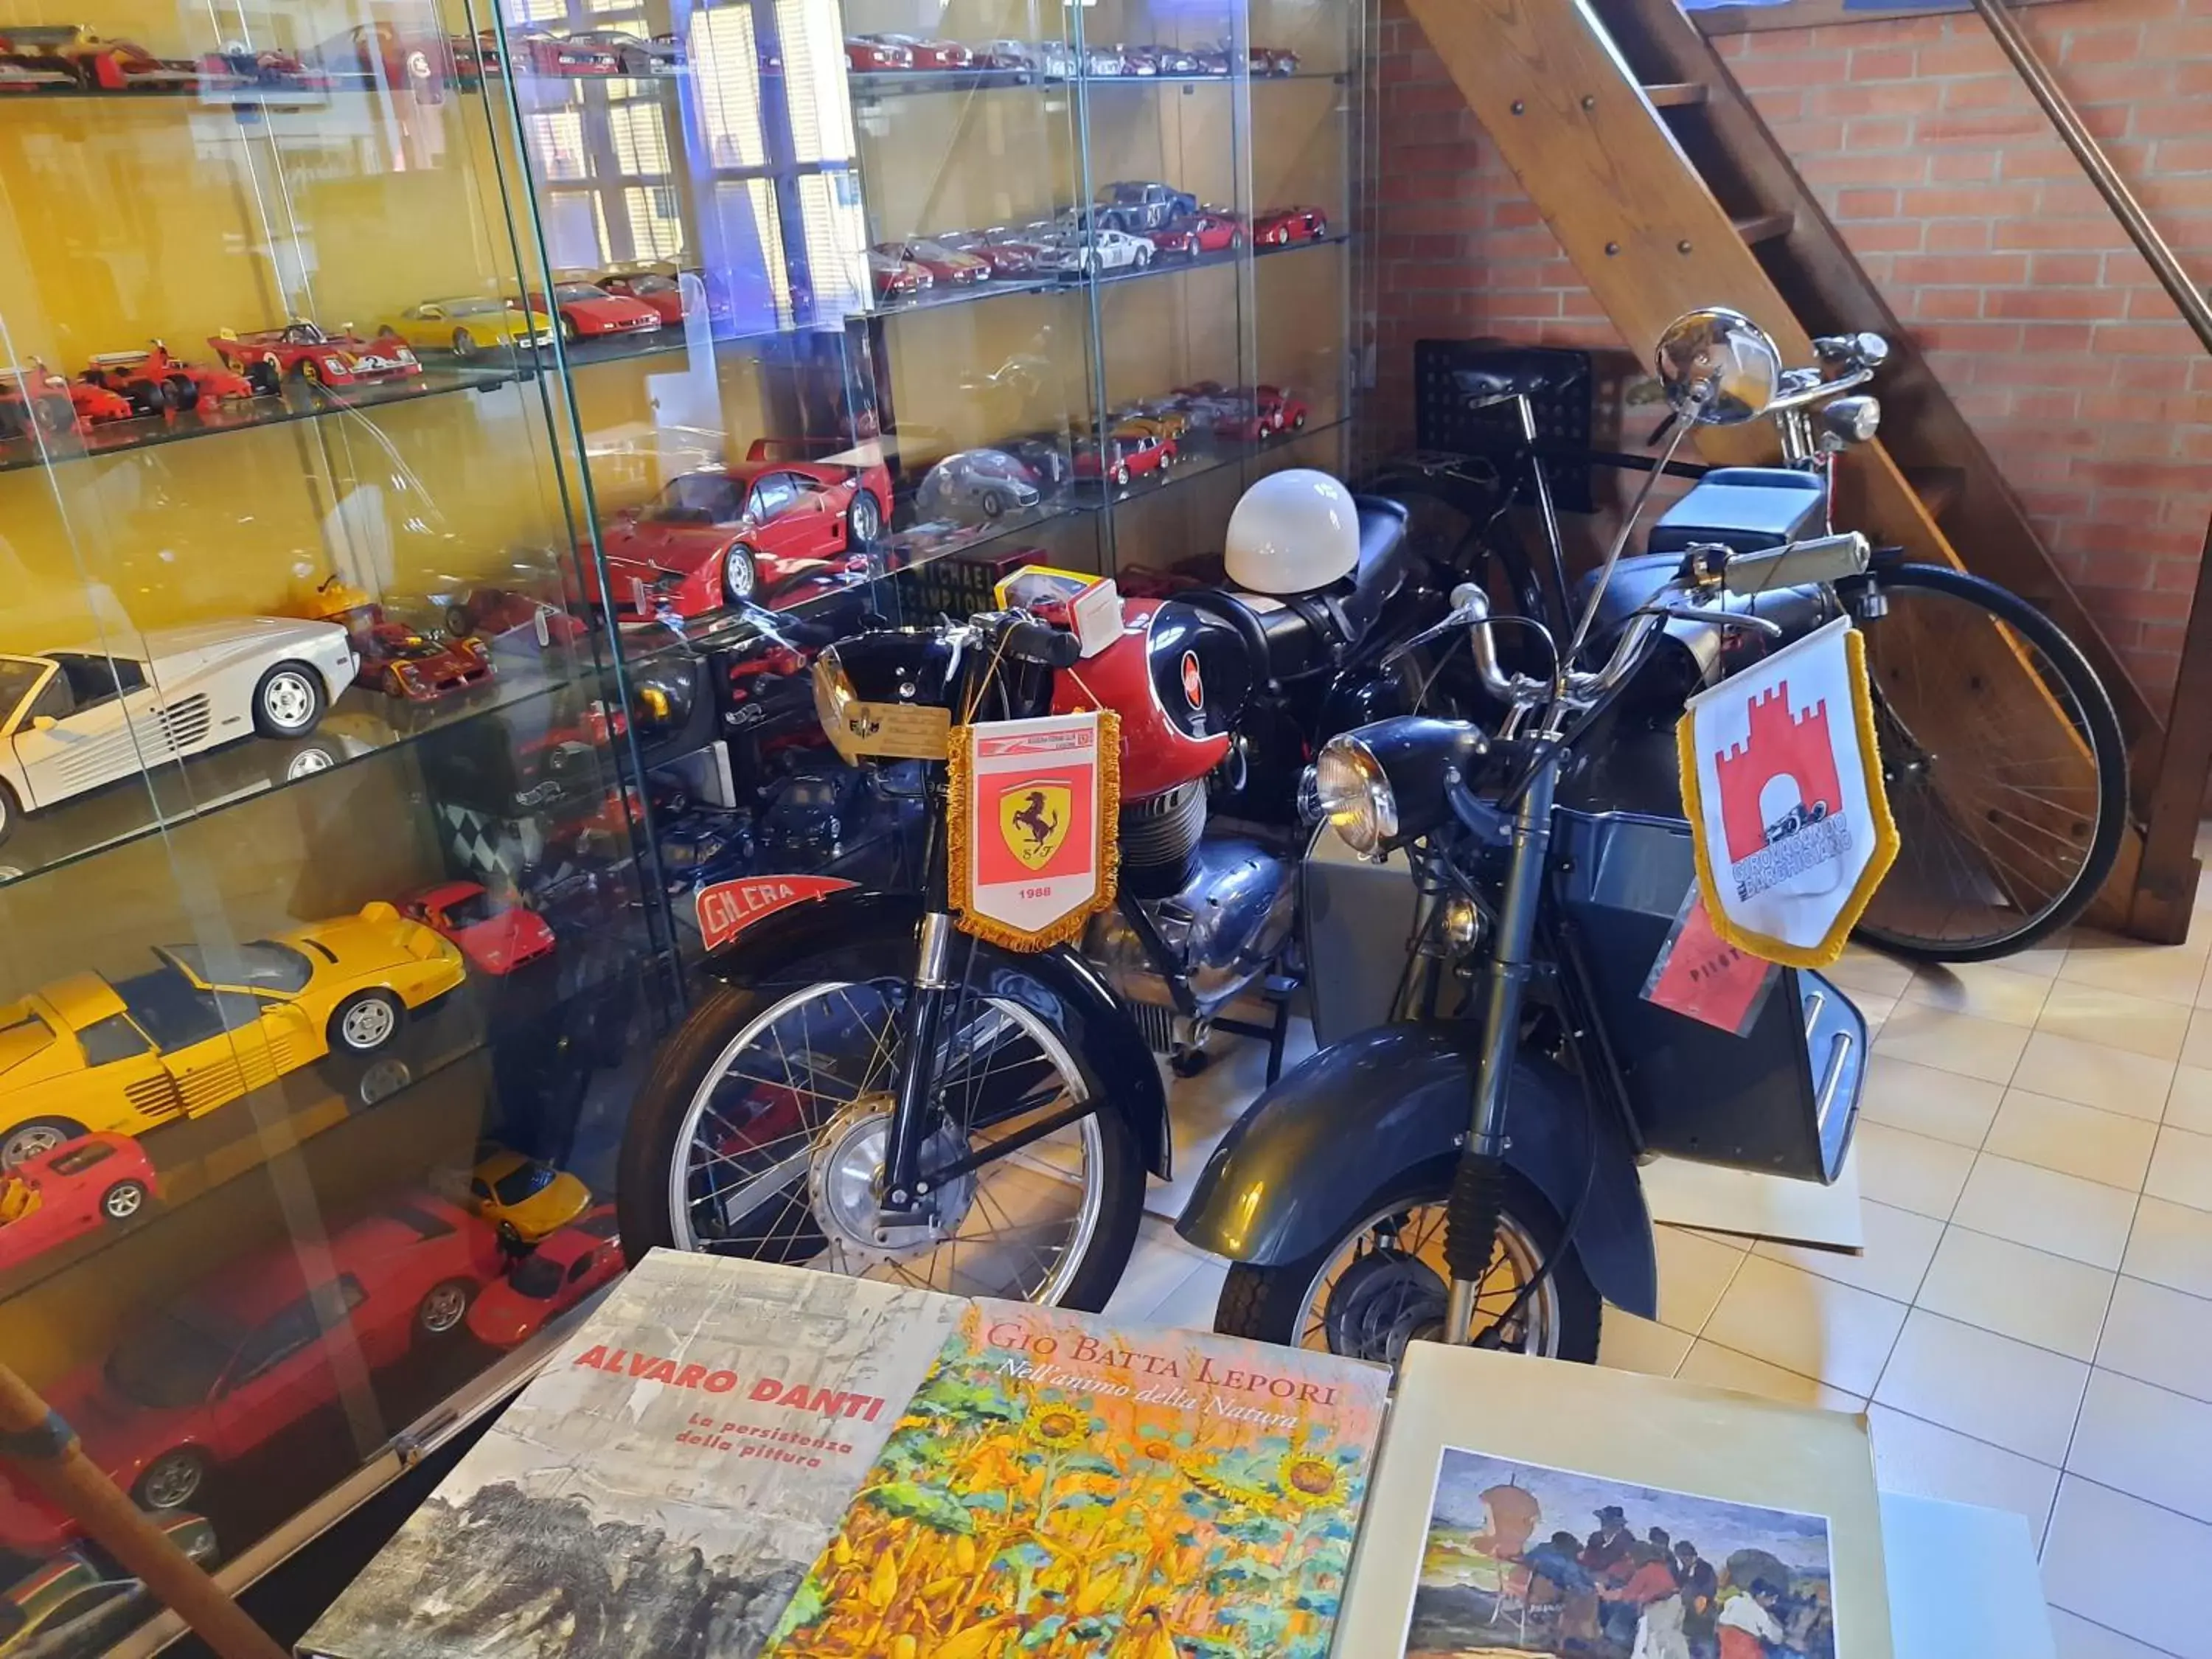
<point>2007,822</point>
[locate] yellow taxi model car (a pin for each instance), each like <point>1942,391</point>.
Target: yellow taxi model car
<point>525,1198</point>
<point>470,326</point>
<point>86,1055</point>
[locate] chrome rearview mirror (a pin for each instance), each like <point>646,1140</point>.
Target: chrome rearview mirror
<point>1717,368</point>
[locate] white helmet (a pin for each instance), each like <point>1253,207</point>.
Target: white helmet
<point>1292,532</point>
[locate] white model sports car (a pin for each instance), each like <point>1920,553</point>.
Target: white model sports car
<point>72,721</point>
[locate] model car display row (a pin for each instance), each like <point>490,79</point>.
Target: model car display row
<point>1132,222</point>
<point>1058,60</point>
<point>75,58</point>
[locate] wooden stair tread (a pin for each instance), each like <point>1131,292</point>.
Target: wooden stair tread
<point>1757,227</point>
<point>1676,94</point>
<point>1938,487</point>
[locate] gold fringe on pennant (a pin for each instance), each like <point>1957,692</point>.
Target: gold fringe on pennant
<point>959,818</point>
<point>1885,835</point>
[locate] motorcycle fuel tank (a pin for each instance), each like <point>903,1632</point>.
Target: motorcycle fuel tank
<point>1178,680</point>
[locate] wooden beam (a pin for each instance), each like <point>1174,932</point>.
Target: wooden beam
<point>1676,94</point>
<point>1757,227</point>
<point>2165,897</point>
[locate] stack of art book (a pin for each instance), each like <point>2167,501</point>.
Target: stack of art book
<point>732,1459</point>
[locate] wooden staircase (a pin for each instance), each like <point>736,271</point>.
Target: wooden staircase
<point>1667,190</point>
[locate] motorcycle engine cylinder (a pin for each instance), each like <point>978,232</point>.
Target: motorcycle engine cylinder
<point>1221,931</point>
<point>1157,839</point>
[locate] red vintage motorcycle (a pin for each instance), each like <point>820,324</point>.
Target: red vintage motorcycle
<point>868,1090</point>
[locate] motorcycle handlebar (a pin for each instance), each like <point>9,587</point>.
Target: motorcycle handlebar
<point>1027,639</point>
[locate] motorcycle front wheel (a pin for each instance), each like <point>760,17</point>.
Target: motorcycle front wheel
<point>2008,821</point>
<point>762,1127</point>
<point>1382,1283</point>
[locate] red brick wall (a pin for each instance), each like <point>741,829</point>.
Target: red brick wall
<point>1947,182</point>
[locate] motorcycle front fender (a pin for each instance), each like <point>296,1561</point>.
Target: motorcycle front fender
<point>869,935</point>
<point>1387,1101</point>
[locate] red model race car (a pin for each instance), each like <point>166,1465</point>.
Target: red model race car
<point>37,398</point>
<point>947,266</point>
<point>89,1183</point>
<point>496,614</point>
<point>736,533</point>
<point>864,52</point>
<point>1250,415</point>
<point>303,350</point>
<point>1125,458</point>
<point>656,289</point>
<point>1209,230</point>
<point>154,382</point>
<point>589,312</point>
<point>566,1267</point>
<point>495,938</point>
<point>1280,227</point>
<point>198,1381</point>
<point>414,664</point>
<point>896,279</point>
<point>1008,253</point>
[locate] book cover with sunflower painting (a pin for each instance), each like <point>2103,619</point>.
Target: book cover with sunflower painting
<point>1064,1487</point>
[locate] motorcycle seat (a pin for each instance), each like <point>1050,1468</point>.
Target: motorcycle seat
<point>1743,508</point>
<point>1638,580</point>
<point>1288,635</point>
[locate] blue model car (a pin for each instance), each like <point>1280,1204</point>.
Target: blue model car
<point>1137,205</point>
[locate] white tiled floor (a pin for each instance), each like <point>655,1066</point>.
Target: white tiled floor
<point>2030,1325</point>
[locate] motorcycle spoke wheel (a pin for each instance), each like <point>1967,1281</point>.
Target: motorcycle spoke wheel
<point>2008,820</point>
<point>779,1150</point>
<point>1389,1282</point>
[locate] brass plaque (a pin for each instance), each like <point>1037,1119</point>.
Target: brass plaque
<point>899,730</point>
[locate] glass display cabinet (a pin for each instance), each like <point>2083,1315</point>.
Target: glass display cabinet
<point>433,442</point>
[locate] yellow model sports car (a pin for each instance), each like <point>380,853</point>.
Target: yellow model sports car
<point>88,1056</point>
<point>470,326</point>
<point>525,1198</point>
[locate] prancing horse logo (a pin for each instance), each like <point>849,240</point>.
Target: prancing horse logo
<point>1034,819</point>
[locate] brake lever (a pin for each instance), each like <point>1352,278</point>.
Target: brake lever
<point>1460,617</point>
<point>1689,613</point>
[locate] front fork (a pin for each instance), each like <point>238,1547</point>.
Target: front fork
<point>901,1193</point>
<point>1478,1191</point>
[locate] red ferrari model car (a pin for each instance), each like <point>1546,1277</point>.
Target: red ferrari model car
<point>497,614</point>
<point>1206,231</point>
<point>89,1183</point>
<point>589,312</point>
<point>198,1381</point>
<point>1278,227</point>
<point>495,938</point>
<point>154,383</point>
<point>1124,458</point>
<point>947,266</point>
<point>866,52</point>
<point>736,533</point>
<point>414,664</point>
<point>566,1267</point>
<point>1008,253</point>
<point>893,278</point>
<point>37,398</point>
<point>663,294</point>
<point>270,356</point>
<point>925,54</point>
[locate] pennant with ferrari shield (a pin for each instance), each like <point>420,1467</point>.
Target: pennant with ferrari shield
<point>1031,822</point>
<point>1782,783</point>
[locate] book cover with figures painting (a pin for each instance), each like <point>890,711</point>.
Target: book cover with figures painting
<point>659,1490</point>
<point>1065,1485</point>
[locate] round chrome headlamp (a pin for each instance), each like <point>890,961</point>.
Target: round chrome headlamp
<point>1352,792</point>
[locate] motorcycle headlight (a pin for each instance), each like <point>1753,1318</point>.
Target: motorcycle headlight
<point>1352,792</point>
<point>833,694</point>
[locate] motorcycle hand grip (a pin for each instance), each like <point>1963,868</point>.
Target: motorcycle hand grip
<point>1817,559</point>
<point>1028,641</point>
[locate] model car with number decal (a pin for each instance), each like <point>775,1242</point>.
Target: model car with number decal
<point>566,1267</point>
<point>197,1380</point>
<point>78,1602</point>
<point>154,383</point>
<point>73,720</point>
<point>305,351</point>
<point>1278,227</point>
<point>724,536</point>
<point>1137,204</point>
<point>495,938</point>
<point>91,1055</point>
<point>1101,249</point>
<point>1209,230</point>
<point>467,325</point>
<point>95,63</point>
<point>100,1181</point>
<point>416,664</point>
<point>947,266</point>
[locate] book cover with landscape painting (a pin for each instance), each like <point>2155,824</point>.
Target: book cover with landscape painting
<point>659,1489</point>
<point>1066,1487</point>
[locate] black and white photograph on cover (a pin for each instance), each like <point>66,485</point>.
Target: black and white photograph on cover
<point>1521,1559</point>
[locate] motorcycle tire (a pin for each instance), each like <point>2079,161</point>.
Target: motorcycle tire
<point>1269,1304</point>
<point>651,1139</point>
<point>1895,920</point>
